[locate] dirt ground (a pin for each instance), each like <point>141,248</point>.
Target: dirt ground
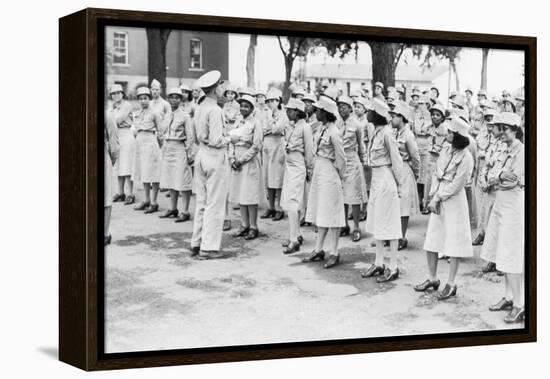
<point>158,297</point>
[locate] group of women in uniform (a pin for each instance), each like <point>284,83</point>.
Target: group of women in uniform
<point>328,158</point>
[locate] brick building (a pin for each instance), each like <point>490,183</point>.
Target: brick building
<point>188,55</point>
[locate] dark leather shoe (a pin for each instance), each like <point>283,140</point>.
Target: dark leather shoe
<point>373,270</point>
<point>242,231</point>
<point>478,240</point>
<point>314,256</point>
<point>426,285</point>
<point>292,248</point>
<point>152,208</point>
<point>350,217</point>
<point>169,213</point>
<point>269,213</point>
<point>107,240</point>
<point>403,243</point>
<point>356,236</point>
<point>489,267</point>
<point>425,211</point>
<point>184,216</point>
<point>363,216</point>
<point>130,199</point>
<point>226,225</point>
<point>300,240</point>
<point>515,315</point>
<point>303,222</point>
<point>500,273</point>
<point>195,250</point>
<point>388,276</point>
<point>502,305</point>
<point>119,197</point>
<point>447,292</point>
<point>142,206</point>
<point>333,260</point>
<point>345,231</point>
<point>278,216</point>
<point>252,234</point>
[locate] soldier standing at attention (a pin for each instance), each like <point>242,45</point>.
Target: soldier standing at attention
<point>147,157</point>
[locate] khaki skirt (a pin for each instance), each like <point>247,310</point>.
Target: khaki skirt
<point>146,167</point>
<point>294,182</point>
<point>273,161</point>
<point>246,184</point>
<point>125,160</point>
<point>424,175</point>
<point>449,232</point>
<point>383,209</point>
<point>409,203</point>
<point>355,187</point>
<point>175,172</point>
<point>325,205</point>
<point>505,234</point>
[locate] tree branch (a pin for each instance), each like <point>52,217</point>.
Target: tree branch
<point>402,48</point>
<point>281,46</point>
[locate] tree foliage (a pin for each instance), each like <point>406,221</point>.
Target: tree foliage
<point>385,56</point>
<point>294,47</point>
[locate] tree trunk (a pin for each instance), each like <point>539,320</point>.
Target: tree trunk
<point>457,79</point>
<point>156,55</point>
<point>484,59</point>
<point>383,63</point>
<point>289,62</point>
<point>251,61</point>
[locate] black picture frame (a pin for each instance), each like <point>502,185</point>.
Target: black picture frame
<point>81,289</point>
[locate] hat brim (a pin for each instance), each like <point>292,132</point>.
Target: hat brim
<point>246,101</point>
<point>293,108</point>
<point>437,110</point>
<point>318,106</point>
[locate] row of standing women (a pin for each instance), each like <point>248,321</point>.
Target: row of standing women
<point>313,158</point>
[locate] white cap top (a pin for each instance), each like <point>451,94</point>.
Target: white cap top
<point>327,104</point>
<point>209,79</point>
<point>381,108</point>
<point>295,104</point>
<point>174,91</point>
<point>248,99</point>
<point>458,125</point>
<point>115,88</point>
<point>155,84</point>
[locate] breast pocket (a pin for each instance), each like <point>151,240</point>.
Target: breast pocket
<point>377,148</point>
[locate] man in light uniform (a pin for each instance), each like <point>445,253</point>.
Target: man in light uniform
<point>159,105</point>
<point>211,170</point>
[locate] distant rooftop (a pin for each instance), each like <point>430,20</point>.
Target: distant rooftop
<point>364,72</point>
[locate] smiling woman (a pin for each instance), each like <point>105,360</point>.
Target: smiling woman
<point>299,120</point>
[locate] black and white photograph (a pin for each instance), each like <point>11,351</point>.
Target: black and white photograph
<point>266,189</point>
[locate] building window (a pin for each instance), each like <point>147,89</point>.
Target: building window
<point>195,56</point>
<point>120,48</point>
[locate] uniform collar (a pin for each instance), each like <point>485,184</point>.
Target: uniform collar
<point>514,147</point>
